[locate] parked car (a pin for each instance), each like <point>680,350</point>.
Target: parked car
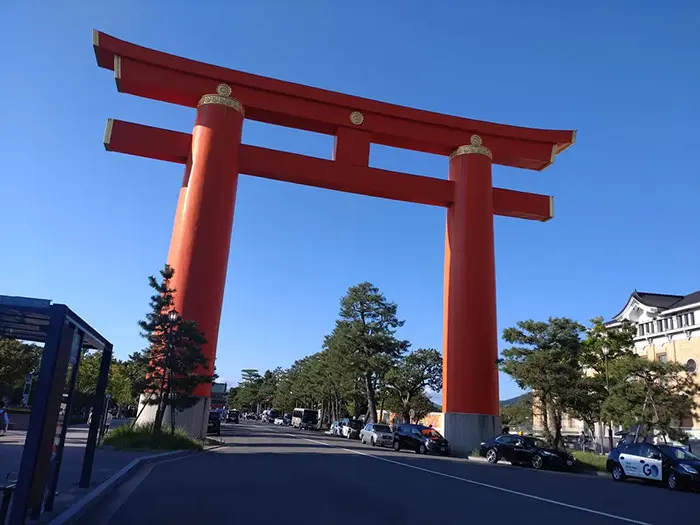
<point>669,464</point>
<point>279,421</point>
<point>269,416</point>
<point>214,426</point>
<point>525,450</point>
<point>287,419</point>
<point>304,418</point>
<point>335,429</point>
<point>350,428</point>
<point>377,434</point>
<point>233,416</point>
<point>420,439</point>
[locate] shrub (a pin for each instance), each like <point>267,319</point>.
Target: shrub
<point>141,437</point>
<point>590,460</point>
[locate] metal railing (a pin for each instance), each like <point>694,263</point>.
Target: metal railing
<point>7,492</point>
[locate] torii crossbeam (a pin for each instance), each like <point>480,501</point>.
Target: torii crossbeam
<point>214,157</point>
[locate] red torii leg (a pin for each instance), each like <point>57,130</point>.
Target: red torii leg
<point>201,238</point>
<point>470,338</point>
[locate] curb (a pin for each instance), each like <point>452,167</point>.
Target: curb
<point>586,473</point>
<point>92,498</point>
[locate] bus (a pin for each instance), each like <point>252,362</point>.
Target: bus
<point>304,418</point>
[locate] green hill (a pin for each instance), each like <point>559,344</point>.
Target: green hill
<point>513,400</point>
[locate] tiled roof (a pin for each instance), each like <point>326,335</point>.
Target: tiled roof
<point>657,300</point>
<point>663,301</point>
<point>688,300</point>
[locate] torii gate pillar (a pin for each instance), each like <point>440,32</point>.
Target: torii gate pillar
<point>470,339</point>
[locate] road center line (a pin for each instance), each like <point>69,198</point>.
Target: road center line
<point>465,480</point>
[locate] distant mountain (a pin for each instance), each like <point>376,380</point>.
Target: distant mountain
<point>523,397</point>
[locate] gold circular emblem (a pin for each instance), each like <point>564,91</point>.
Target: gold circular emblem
<point>475,140</point>
<point>357,118</point>
<point>224,90</point>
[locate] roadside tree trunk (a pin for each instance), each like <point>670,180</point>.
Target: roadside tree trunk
<point>371,400</point>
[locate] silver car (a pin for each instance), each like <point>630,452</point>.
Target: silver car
<point>377,434</point>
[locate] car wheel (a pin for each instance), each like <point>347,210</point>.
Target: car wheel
<point>617,473</point>
<point>422,449</point>
<point>397,446</point>
<point>492,455</point>
<point>537,462</point>
<point>363,440</point>
<point>373,443</point>
<point>673,482</point>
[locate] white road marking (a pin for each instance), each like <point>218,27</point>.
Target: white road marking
<point>470,481</point>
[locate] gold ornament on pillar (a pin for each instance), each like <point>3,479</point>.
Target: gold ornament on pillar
<point>223,97</point>
<point>474,148</point>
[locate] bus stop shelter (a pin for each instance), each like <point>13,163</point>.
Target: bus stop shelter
<point>64,335</point>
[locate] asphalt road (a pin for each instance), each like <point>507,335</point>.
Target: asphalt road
<point>271,475</point>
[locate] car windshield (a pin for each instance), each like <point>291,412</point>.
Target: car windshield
<point>678,453</point>
<point>534,442</point>
<point>381,428</point>
<point>431,433</point>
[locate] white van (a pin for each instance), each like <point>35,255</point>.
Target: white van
<point>304,418</point>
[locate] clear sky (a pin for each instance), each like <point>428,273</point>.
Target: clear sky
<point>86,227</point>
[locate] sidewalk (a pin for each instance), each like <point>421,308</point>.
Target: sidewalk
<point>107,462</point>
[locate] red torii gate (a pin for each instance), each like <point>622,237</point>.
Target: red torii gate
<point>213,157</point>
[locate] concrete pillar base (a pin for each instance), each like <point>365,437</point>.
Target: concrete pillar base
<point>194,420</point>
<point>465,432</point>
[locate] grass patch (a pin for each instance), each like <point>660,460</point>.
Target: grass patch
<point>141,437</point>
<point>476,452</point>
<point>590,460</point>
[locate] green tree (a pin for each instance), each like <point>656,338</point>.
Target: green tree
<point>412,374</point>
<point>118,382</point>
<point>135,370</point>
<point>518,414</point>
<point>653,395</point>
<point>174,362</point>
<point>248,393</point>
<point>545,360</point>
<point>17,360</point>
<point>231,401</point>
<point>366,332</point>
<point>602,347</point>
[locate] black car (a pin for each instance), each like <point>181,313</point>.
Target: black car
<point>233,416</point>
<point>420,439</point>
<point>525,450</point>
<point>676,467</point>
<point>214,426</point>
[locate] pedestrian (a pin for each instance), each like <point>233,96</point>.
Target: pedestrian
<point>582,440</point>
<point>108,421</point>
<point>4,419</point>
<point>89,421</point>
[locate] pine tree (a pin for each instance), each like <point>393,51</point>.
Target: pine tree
<point>174,362</point>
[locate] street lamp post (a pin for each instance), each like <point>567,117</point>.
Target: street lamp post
<point>606,352</point>
<point>173,317</point>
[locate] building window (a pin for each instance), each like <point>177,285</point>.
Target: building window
<point>666,324</point>
<point>662,358</point>
<point>691,318</point>
<point>660,325</point>
<point>681,320</point>
<point>670,323</point>
<point>640,330</point>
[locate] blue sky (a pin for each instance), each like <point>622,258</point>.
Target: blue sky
<point>86,227</point>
